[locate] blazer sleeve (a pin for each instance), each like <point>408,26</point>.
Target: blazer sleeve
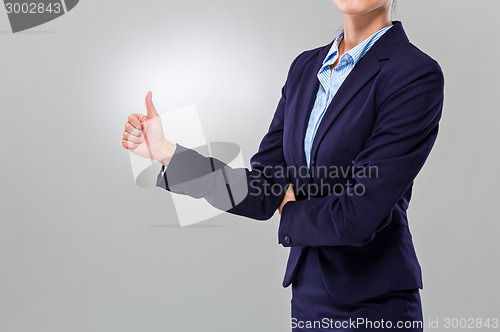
<point>403,134</point>
<point>255,193</point>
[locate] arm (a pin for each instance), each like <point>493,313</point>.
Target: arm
<point>238,191</point>
<point>402,137</point>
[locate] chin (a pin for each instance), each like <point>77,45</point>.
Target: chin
<point>358,7</point>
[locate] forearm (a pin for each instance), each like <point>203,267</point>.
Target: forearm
<point>234,190</point>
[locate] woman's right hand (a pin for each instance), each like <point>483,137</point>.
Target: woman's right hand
<point>143,135</point>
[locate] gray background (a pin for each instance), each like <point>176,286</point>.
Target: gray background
<point>82,248</point>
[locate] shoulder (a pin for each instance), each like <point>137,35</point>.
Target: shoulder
<point>410,81</point>
<point>410,61</point>
<point>409,67</point>
<point>408,57</point>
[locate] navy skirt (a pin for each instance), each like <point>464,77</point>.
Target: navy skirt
<point>313,309</point>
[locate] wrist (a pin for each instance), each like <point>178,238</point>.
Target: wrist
<point>166,150</point>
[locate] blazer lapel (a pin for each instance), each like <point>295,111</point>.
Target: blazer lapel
<point>307,95</point>
<point>363,72</point>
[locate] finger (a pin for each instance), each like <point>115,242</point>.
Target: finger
<point>152,113</point>
<point>133,131</point>
<point>136,120</point>
<point>129,145</point>
<point>128,137</point>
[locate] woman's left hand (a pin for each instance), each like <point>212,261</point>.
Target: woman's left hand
<point>289,196</point>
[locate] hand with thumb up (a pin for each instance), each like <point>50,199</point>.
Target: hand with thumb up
<point>143,135</point>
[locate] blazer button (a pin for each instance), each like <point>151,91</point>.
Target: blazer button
<point>288,240</point>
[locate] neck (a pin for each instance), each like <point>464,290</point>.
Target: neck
<point>361,26</point>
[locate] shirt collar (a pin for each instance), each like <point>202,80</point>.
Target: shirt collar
<point>354,54</point>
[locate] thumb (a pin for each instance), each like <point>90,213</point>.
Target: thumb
<point>152,113</point>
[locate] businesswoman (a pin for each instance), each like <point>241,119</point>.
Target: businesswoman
<point>355,123</point>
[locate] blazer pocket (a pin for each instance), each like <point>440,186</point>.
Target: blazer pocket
<point>395,226</point>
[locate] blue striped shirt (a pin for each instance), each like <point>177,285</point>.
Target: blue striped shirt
<point>331,82</point>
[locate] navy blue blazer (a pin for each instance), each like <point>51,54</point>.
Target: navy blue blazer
<point>384,119</point>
